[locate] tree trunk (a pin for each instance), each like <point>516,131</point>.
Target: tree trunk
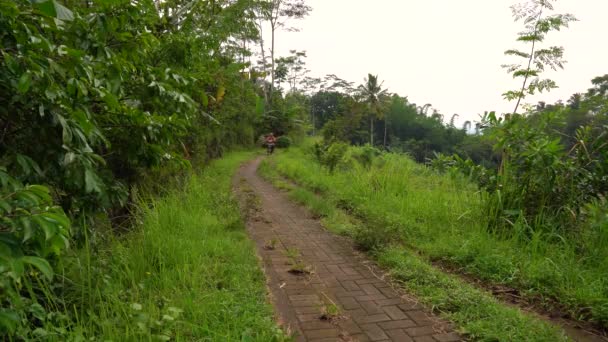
<point>385,130</point>
<point>272,62</point>
<point>523,86</point>
<point>264,69</point>
<point>371,130</point>
<point>312,115</point>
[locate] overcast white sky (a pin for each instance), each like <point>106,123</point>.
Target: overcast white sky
<point>444,52</point>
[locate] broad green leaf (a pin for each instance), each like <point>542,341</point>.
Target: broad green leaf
<point>69,158</point>
<point>52,8</point>
<point>9,320</point>
<point>47,7</point>
<point>25,81</point>
<point>5,250</point>
<point>17,268</point>
<point>28,197</point>
<point>92,182</point>
<point>57,219</point>
<point>67,131</point>
<point>40,191</point>
<point>48,228</point>
<point>28,164</point>
<point>205,99</point>
<point>41,264</point>
<point>5,206</point>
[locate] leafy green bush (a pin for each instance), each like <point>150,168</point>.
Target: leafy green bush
<point>540,180</point>
<point>334,155</point>
<point>283,141</point>
<point>366,154</point>
<point>33,234</point>
<point>93,98</point>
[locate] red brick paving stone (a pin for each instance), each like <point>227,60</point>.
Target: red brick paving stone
<point>350,285</point>
<point>349,293</point>
<point>419,331</point>
<point>424,339</point>
<point>349,303</point>
<point>369,281</point>
<point>335,269</point>
<point>372,318</point>
<point>308,297</point>
<point>374,332</point>
<point>398,335</point>
<point>349,270</point>
<point>360,338</point>
<point>316,325</point>
<point>420,317</point>
<point>390,301</point>
<point>322,333</point>
<point>308,310</point>
<point>410,306</point>
<point>370,308</point>
<point>370,297</point>
<point>343,277</point>
<point>308,317</point>
<point>389,292</point>
<point>350,326</point>
<point>291,292</point>
<point>355,313</point>
<point>370,289</point>
<point>298,303</point>
<point>406,323</point>
<point>394,312</point>
<point>449,337</point>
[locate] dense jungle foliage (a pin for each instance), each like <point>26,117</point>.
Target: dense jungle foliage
<point>99,99</point>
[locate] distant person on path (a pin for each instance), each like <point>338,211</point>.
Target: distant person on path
<point>271,140</point>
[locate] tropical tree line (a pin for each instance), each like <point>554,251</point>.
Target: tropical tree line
<point>542,167</point>
<point>370,114</point>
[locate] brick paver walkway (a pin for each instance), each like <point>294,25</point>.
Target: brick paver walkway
<point>289,240</point>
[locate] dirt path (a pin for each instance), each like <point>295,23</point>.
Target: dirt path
<point>321,288</point>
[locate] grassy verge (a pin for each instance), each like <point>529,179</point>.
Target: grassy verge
<point>441,217</point>
<point>189,272</point>
<point>477,313</point>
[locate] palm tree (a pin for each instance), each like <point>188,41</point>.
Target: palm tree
<point>453,120</point>
<point>424,110</point>
<point>372,92</point>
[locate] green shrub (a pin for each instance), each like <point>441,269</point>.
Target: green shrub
<point>283,142</point>
<point>318,150</point>
<point>35,233</point>
<point>334,155</point>
<point>365,155</point>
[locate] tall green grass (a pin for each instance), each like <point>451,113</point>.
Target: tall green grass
<point>476,313</point>
<point>188,272</point>
<point>442,217</point>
